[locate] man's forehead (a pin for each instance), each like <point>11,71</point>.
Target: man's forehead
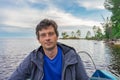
<point>47,29</point>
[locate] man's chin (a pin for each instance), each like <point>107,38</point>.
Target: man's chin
<point>50,48</point>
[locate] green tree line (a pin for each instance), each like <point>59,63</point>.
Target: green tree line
<point>77,34</point>
<point>112,24</point>
<point>73,35</point>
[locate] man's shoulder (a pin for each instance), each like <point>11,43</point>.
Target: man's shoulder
<point>65,47</point>
<point>34,52</point>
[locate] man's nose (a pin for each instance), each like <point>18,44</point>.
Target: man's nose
<point>47,37</point>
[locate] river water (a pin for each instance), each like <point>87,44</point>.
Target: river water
<point>13,51</point>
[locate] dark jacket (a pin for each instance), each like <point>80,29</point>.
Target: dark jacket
<point>32,66</point>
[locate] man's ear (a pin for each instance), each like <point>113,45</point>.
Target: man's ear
<point>38,39</point>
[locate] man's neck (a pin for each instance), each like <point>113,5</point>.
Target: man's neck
<point>51,53</point>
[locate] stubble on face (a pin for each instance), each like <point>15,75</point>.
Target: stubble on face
<point>49,42</point>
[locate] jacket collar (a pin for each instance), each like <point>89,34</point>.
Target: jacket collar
<point>37,57</point>
<point>69,55</point>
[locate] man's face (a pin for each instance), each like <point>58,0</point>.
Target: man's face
<point>48,38</point>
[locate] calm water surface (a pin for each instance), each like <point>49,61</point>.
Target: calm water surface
<point>13,51</point>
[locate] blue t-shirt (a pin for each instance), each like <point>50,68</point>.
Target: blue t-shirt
<point>53,68</point>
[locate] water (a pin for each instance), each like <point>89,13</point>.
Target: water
<point>13,51</point>
<point>115,58</point>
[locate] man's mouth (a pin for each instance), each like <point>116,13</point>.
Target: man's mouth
<point>48,43</point>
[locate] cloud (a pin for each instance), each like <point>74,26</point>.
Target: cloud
<point>19,17</point>
<point>9,29</point>
<point>29,17</point>
<point>67,19</point>
<point>91,4</point>
<point>27,14</point>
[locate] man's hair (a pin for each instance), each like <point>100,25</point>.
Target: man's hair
<point>44,24</point>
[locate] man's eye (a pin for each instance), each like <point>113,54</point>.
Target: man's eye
<point>51,33</point>
<point>42,35</point>
<point>45,34</point>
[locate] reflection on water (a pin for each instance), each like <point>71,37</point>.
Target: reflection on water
<point>115,59</point>
<point>13,51</point>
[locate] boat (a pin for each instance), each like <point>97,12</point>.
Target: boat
<point>101,74</point>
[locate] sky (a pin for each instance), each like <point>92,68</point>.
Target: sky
<point>18,18</point>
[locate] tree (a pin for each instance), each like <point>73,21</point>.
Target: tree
<point>65,35</point>
<point>99,34</point>
<point>78,33</point>
<point>88,35</point>
<point>114,7</point>
<point>107,25</point>
<point>72,34</point>
<point>95,30</point>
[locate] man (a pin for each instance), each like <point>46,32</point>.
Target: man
<point>52,60</point>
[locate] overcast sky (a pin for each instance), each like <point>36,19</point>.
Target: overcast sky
<point>18,18</point>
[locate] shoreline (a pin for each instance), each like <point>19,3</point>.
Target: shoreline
<point>114,42</point>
